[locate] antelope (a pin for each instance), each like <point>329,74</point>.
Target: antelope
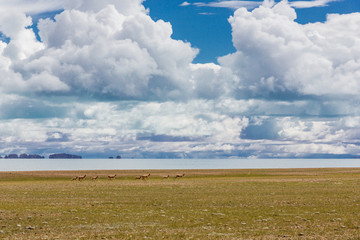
<point>81,177</point>
<point>74,178</point>
<point>137,177</point>
<point>179,175</point>
<point>166,177</point>
<point>94,178</point>
<point>145,176</point>
<point>112,176</point>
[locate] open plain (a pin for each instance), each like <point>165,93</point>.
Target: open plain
<point>203,204</point>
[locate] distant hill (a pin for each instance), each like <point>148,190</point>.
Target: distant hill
<point>64,155</point>
<point>24,156</point>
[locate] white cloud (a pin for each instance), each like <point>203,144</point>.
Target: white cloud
<point>184,4</point>
<point>311,4</point>
<point>23,41</point>
<point>235,4</point>
<point>102,48</point>
<point>276,56</point>
<point>229,4</point>
<point>211,81</point>
<point>107,52</point>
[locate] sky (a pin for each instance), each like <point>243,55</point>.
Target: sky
<point>180,79</point>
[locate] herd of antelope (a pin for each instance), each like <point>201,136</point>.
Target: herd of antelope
<point>143,177</point>
<point>111,177</point>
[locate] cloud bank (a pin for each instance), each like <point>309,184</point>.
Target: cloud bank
<point>106,78</point>
<point>31,7</point>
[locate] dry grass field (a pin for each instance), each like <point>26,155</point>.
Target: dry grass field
<point>204,204</point>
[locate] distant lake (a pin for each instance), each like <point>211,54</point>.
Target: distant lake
<point>134,164</point>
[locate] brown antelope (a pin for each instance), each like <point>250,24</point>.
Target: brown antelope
<point>112,176</point>
<point>137,177</point>
<point>145,176</point>
<point>94,178</point>
<point>74,178</point>
<point>166,177</point>
<point>81,177</point>
<point>179,175</point>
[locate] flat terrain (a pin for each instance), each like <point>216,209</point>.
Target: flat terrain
<point>204,204</point>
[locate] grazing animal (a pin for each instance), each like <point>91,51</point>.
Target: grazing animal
<point>112,176</point>
<point>81,177</point>
<point>74,178</point>
<point>137,177</point>
<point>166,177</point>
<point>94,178</point>
<point>145,176</point>
<point>179,175</point>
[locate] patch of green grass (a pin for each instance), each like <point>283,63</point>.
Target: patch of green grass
<point>260,204</point>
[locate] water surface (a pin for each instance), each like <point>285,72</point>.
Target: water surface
<point>135,164</point>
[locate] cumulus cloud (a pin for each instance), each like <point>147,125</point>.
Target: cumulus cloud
<point>23,41</point>
<point>98,48</point>
<point>22,45</point>
<point>278,58</point>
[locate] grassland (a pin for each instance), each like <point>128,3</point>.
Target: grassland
<point>205,204</point>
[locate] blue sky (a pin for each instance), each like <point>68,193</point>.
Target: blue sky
<point>174,79</point>
<point>207,28</point>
